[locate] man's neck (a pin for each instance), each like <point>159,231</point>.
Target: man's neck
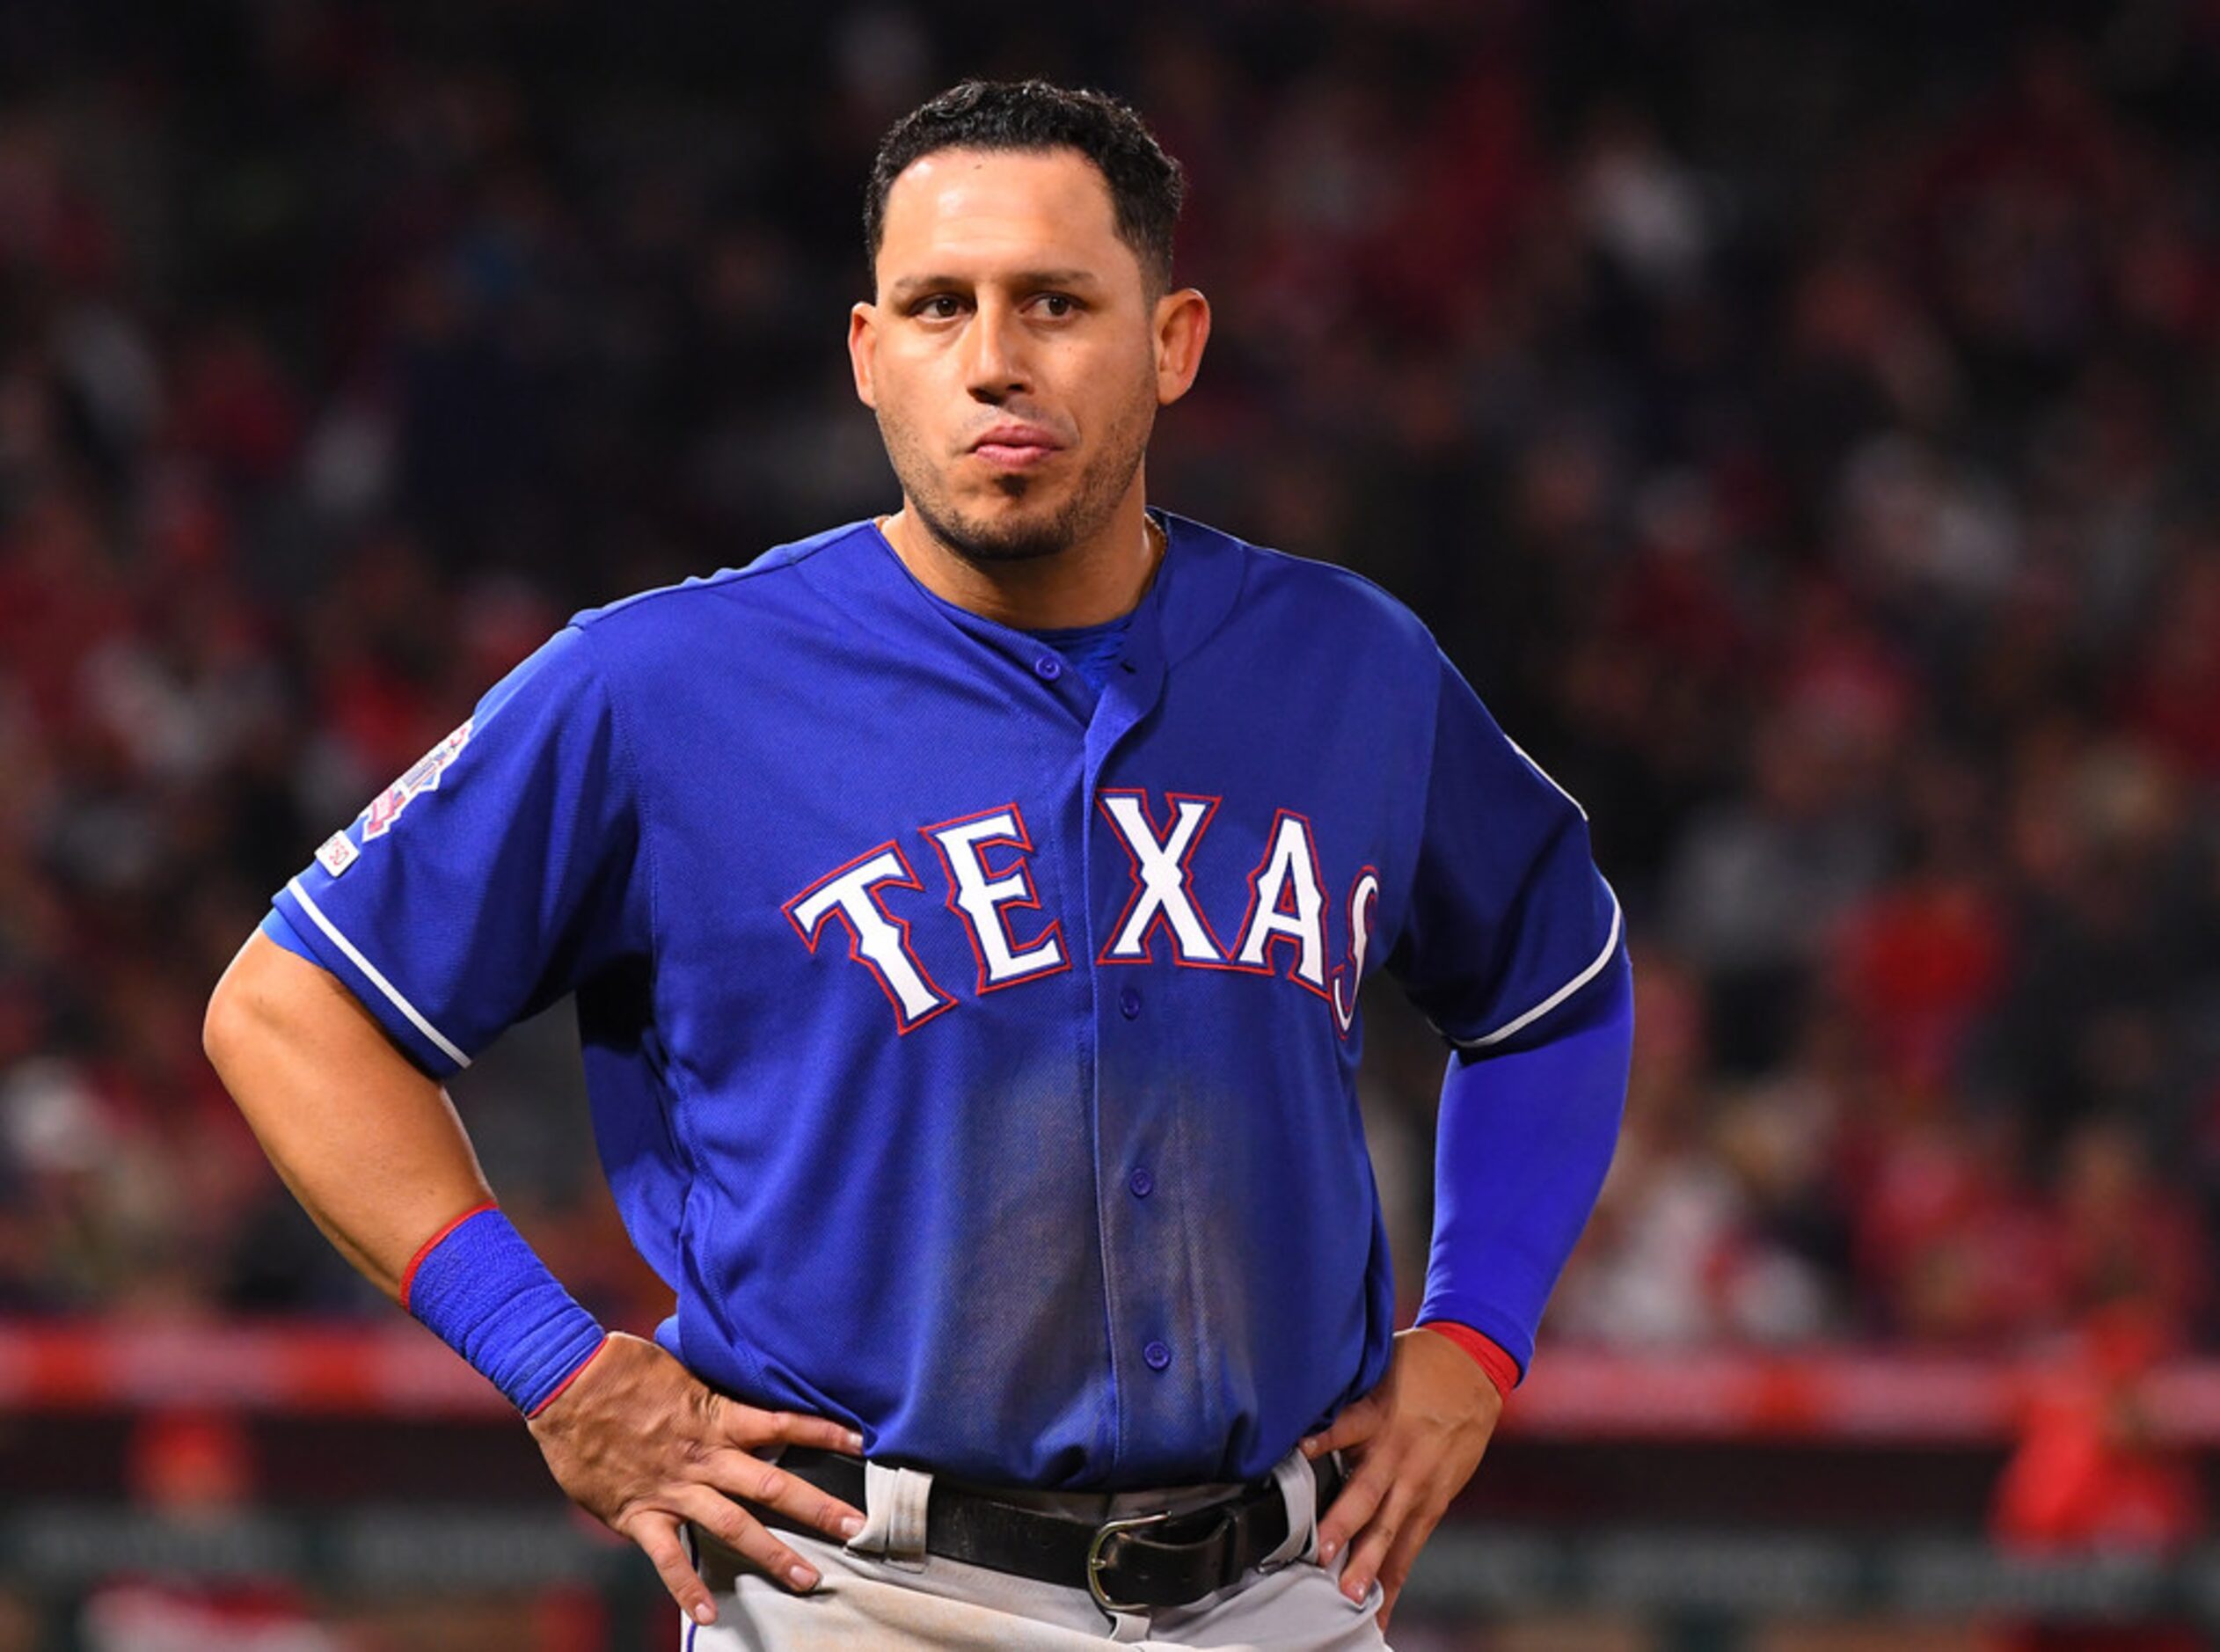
<point>1085,584</point>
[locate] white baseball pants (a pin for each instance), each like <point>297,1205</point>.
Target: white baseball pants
<point>881,1589</point>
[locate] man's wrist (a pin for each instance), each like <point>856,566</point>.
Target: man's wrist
<point>481,1290</point>
<point>1500,1367</point>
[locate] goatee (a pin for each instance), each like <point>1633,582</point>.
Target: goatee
<point>984,544</point>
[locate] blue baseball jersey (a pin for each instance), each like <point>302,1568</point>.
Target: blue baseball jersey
<point>974,1052</point>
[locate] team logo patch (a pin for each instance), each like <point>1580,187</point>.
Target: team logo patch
<point>423,776</point>
<point>337,853</point>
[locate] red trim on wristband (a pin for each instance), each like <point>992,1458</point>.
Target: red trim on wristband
<point>568,1380</point>
<point>408,1274</point>
<point>1502,1368</point>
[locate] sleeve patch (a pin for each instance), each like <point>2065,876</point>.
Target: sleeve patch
<point>423,776</point>
<point>337,853</point>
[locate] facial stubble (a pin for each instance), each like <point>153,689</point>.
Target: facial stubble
<point>1022,537</point>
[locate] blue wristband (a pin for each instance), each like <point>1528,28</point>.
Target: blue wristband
<point>482,1290</point>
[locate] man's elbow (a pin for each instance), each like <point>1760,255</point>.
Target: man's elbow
<point>256,1000</point>
<point>227,1025</point>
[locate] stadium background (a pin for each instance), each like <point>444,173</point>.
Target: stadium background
<point>1800,422</point>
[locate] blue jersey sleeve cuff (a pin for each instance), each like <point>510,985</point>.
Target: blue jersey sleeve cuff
<point>274,926</point>
<point>1569,1005</point>
<point>322,942</point>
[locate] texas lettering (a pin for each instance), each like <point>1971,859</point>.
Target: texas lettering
<point>983,864</point>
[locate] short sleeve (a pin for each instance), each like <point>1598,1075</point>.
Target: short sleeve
<point>493,876</point>
<point>1507,920</point>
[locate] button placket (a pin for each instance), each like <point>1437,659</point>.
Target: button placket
<point>1139,1292</point>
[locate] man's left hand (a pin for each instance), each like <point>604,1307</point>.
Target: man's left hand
<point>1415,1439</point>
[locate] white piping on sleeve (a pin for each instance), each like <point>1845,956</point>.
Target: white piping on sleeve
<point>1546,775</point>
<point>1610,945</point>
<point>376,978</point>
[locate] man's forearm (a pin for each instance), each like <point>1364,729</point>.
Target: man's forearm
<point>375,1153</point>
<point>1524,1141</point>
<point>370,1146</point>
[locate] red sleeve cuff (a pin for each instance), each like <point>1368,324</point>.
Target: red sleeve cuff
<point>1502,1368</point>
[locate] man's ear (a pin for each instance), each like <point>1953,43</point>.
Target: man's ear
<point>862,351</point>
<point>1183,327</point>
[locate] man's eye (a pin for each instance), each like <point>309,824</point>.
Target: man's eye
<point>1059,305</point>
<point>939,307</point>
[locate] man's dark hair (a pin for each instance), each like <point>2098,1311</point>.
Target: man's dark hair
<point>1146,185</point>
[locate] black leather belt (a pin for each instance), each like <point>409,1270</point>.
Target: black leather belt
<point>1132,1563</point>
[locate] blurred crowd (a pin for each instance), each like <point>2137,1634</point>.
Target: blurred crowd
<point>1802,430</point>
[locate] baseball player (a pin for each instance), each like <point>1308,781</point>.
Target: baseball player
<point>966,911</point>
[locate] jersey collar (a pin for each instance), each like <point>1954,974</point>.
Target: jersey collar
<point>1195,588</point>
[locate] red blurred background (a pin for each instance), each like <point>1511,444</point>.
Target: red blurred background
<point>1799,423</point>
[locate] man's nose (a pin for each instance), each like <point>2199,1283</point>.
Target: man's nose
<point>997,368</point>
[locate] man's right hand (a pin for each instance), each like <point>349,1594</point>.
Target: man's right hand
<point>640,1444</point>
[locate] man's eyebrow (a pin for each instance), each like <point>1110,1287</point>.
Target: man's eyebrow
<point>1054,278</point>
<point>909,286</point>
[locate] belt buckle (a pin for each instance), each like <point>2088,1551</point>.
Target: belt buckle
<point>1096,1561</point>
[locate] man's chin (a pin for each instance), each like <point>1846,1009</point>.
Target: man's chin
<point>1002,551</point>
<point>1002,536</point>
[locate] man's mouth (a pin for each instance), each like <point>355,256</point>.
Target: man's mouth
<point>1015,446</point>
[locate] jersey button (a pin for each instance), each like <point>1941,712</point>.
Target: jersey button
<point>1157,1356</point>
<point>1050,667</point>
<point>1129,1003</point>
<point>1143,1184</point>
